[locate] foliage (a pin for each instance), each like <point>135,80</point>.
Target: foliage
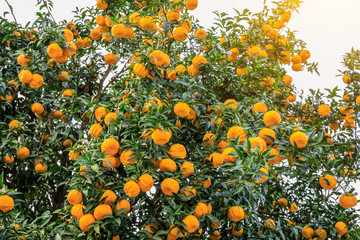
<point>135,107</point>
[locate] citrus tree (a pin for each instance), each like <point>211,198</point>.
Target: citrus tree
<point>134,122</point>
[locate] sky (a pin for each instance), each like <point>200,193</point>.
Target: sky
<point>329,27</point>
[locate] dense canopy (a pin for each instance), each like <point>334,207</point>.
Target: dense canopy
<point>131,121</point>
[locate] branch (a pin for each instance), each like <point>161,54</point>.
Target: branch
<point>11,10</point>
<point>156,196</point>
<point>106,75</point>
<point>148,200</point>
<point>168,51</point>
<point>169,46</point>
<point>49,12</point>
<point>116,76</point>
<point>108,70</point>
<point>331,192</point>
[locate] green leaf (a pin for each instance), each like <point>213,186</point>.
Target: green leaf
<point>118,221</point>
<point>95,167</point>
<point>97,229</point>
<point>1,180</point>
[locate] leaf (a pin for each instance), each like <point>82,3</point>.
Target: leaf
<point>238,189</point>
<point>7,37</point>
<point>319,137</point>
<point>95,167</point>
<point>1,180</point>
<point>97,229</point>
<point>118,221</point>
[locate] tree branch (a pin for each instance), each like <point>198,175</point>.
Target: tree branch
<point>156,196</point>
<point>49,12</point>
<point>116,76</point>
<point>169,46</point>
<point>108,70</point>
<point>331,193</point>
<point>11,10</point>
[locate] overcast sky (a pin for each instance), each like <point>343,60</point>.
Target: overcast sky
<point>329,27</point>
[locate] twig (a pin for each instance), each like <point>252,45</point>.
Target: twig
<point>156,196</point>
<point>148,200</point>
<point>117,75</point>
<point>108,70</point>
<point>169,46</point>
<point>331,192</point>
<point>168,51</point>
<point>11,10</point>
<point>107,74</point>
<point>49,12</point>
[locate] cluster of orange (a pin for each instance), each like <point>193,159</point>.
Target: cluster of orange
<point>60,54</point>
<point>177,151</point>
<point>270,31</point>
<point>125,29</point>
<point>36,80</point>
<point>347,110</point>
<point>75,198</point>
<point>24,152</point>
